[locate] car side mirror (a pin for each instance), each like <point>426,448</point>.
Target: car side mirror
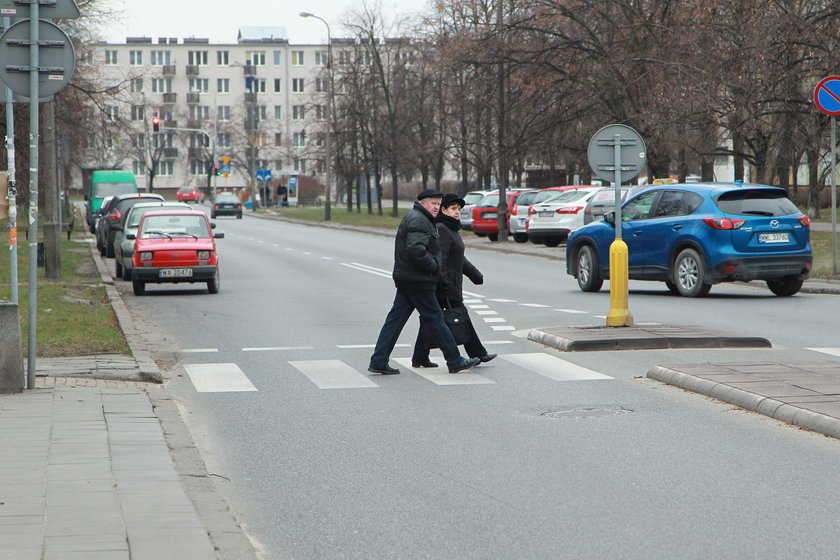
<point>219,235</point>
<point>131,236</point>
<point>609,217</point>
<point>212,225</point>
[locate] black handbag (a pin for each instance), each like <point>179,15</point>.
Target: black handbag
<point>458,321</point>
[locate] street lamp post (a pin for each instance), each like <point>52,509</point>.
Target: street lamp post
<point>328,147</point>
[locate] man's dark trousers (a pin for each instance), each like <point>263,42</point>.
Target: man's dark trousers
<point>405,302</point>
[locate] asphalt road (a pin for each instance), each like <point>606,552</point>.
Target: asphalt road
<point>538,454</point>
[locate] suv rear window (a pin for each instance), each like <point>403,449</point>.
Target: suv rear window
<point>749,202</point>
<point>472,198</point>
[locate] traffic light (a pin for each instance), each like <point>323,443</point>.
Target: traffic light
<point>155,123</point>
<point>217,169</point>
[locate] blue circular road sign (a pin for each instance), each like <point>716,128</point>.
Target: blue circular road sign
<point>827,95</point>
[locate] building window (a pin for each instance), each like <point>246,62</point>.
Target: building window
<point>223,58</point>
<point>136,85</point>
<point>138,168</point>
<point>138,112</point>
<point>111,112</point>
<point>199,85</point>
<point>277,85</point>
<point>259,85</point>
<point>161,58</point>
<point>299,139</point>
<point>162,85</point>
<point>298,112</point>
<point>321,58</point>
<point>199,140</point>
<point>343,57</point>
<point>320,112</point>
<point>110,57</point>
<point>138,140</point>
<point>320,85</point>
<point>223,85</point>
<point>255,58</point>
<point>300,165</point>
<point>223,112</point>
<point>224,140</point>
<point>198,166</point>
<point>199,112</point>
<point>278,57</point>
<point>197,58</point>
<point>297,85</point>
<point>135,58</point>
<point>278,139</point>
<point>297,58</point>
<point>162,140</point>
<point>112,141</point>
<point>278,112</point>
<point>165,168</point>
<point>278,165</point>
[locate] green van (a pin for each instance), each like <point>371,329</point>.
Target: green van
<point>103,184</point>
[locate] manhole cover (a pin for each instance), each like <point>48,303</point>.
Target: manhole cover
<point>586,411</point>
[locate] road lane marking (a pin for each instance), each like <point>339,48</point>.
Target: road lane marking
<point>571,311</point>
<point>272,348</point>
<point>441,376</point>
<point>479,307</point>
<point>368,269</point>
<point>502,327</point>
<point>502,300</point>
<point>494,319</point>
<point>553,367</point>
<point>829,351</point>
<point>333,374</point>
<point>352,346</point>
<point>533,305</point>
<point>486,312</point>
<point>218,378</point>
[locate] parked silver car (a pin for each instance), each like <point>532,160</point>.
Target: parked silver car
<point>124,248</point>
<point>466,212</point>
<point>519,215</point>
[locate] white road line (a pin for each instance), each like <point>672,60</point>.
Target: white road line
<point>553,367</point>
<point>829,351</point>
<point>502,300</point>
<point>198,350</point>
<point>368,269</point>
<point>486,312</point>
<point>327,258</point>
<point>333,374</point>
<point>472,294</point>
<point>441,376</point>
<point>494,319</point>
<point>533,305</point>
<point>485,342</point>
<point>468,301</point>
<point>272,348</point>
<point>352,346</point>
<point>571,311</point>
<point>218,378</point>
<point>477,306</point>
<point>306,253</point>
<point>503,327</point>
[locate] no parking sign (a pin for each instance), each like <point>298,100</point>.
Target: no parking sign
<point>827,95</point>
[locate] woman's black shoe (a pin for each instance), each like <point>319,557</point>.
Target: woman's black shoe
<point>487,357</point>
<point>427,363</point>
<point>384,370</point>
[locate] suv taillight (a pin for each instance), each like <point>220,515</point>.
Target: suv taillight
<point>724,223</point>
<point>804,220</point>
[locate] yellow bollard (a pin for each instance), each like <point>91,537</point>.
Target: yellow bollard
<point>619,315</point>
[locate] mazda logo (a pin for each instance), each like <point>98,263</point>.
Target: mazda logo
<point>774,223</point>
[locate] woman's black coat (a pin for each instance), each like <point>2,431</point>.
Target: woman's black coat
<point>454,264</point>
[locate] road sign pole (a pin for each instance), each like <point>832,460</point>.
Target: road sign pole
<point>833,196</point>
<point>619,314</point>
<point>10,168</point>
<point>34,63</point>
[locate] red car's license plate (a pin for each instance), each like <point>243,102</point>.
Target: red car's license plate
<point>175,273</point>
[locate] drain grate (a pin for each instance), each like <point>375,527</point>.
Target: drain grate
<point>586,411</point>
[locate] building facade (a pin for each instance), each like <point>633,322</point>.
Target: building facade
<point>255,105</point>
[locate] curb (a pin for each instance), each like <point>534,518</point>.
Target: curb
<point>784,412</point>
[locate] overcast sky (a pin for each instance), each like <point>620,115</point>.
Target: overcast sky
<point>220,21</point>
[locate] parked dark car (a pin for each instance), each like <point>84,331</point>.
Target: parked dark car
<point>112,217</point>
<point>694,235</point>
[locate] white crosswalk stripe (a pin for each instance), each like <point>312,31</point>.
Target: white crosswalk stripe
<point>441,376</point>
<point>218,378</point>
<point>333,374</point>
<point>553,367</point>
<point>829,351</point>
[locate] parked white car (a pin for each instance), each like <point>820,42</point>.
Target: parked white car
<point>466,212</point>
<point>552,220</point>
<point>519,215</point>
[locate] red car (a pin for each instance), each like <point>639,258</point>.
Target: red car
<point>485,213</point>
<point>189,194</point>
<point>174,246</point>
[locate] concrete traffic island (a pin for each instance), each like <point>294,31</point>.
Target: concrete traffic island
<point>587,339</point>
<point>804,394</point>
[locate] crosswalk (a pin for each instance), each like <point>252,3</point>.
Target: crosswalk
<point>337,374</point>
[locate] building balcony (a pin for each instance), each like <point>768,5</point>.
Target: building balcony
<point>192,70</point>
<point>194,123</point>
<point>170,124</point>
<point>196,153</point>
<point>170,153</point>
<point>193,98</point>
<point>170,97</point>
<point>169,70</point>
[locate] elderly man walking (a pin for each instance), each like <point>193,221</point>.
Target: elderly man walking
<point>417,267</point>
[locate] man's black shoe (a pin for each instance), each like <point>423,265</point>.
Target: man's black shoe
<point>463,364</point>
<point>487,357</point>
<point>384,370</point>
<point>427,363</point>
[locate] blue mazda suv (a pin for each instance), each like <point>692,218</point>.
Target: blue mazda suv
<point>691,236</point>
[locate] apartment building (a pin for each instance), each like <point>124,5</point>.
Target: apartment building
<point>259,104</point>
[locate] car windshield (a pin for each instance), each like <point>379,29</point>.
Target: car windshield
<point>489,200</point>
<point>174,225</point>
<point>185,190</point>
<point>472,197</point>
<point>526,199</point>
<point>101,190</point>
<point>226,197</point>
<point>133,219</point>
<point>753,202</point>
